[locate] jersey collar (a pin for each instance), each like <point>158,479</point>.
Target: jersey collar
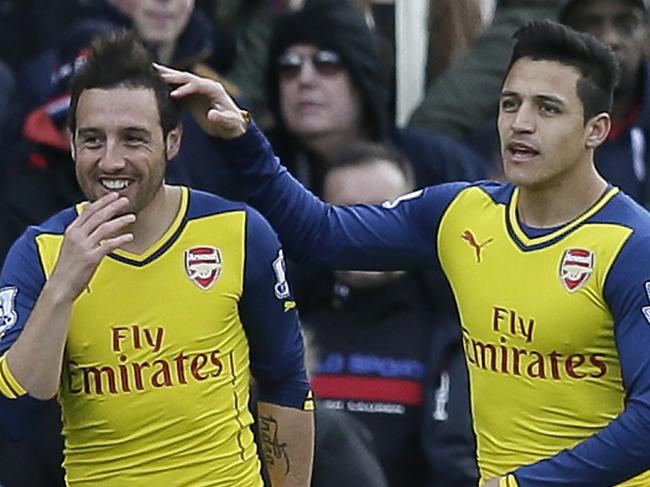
<point>163,243</point>
<point>532,243</point>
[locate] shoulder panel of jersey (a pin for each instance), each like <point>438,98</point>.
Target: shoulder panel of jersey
<point>485,193</point>
<point>623,210</point>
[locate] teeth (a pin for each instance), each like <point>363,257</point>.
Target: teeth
<point>115,184</point>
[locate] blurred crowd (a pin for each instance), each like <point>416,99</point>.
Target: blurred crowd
<point>319,77</point>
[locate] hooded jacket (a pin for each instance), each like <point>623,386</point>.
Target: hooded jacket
<point>337,26</point>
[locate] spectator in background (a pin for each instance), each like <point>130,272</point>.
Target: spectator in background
<point>326,89</point>
<point>175,31</point>
<point>376,357</point>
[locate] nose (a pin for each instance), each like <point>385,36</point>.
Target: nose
<point>524,119</point>
<point>112,160</point>
<point>307,72</point>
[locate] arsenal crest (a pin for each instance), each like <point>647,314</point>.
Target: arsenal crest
<point>203,265</point>
<point>576,268</point>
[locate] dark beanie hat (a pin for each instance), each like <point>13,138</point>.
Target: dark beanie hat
<point>568,5</point>
<point>338,26</point>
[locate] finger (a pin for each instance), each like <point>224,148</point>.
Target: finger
<point>104,214</point>
<point>116,242</point>
<point>226,105</point>
<point>179,77</point>
<point>110,244</point>
<point>91,208</point>
<point>165,69</point>
<point>196,87</point>
<point>226,118</point>
<point>108,229</point>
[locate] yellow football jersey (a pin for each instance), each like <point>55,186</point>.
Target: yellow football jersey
<point>541,360</point>
<point>156,372</point>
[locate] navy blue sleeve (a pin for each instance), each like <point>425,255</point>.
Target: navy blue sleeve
<point>21,281</point>
<point>397,235</point>
<point>270,319</point>
<point>621,450</point>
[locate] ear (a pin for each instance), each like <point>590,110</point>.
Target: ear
<point>597,130</point>
<point>173,142</point>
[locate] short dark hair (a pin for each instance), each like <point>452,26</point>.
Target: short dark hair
<point>360,153</point>
<point>596,62</point>
<point>119,59</point>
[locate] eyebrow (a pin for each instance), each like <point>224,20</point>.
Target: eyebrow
<point>87,131</point>
<point>136,131</point>
<point>550,98</point>
<point>545,98</point>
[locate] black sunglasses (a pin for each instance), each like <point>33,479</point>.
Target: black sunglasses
<point>325,62</point>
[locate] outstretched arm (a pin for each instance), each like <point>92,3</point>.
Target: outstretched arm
<point>393,236</point>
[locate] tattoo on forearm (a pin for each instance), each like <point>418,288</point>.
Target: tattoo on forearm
<point>274,451</point>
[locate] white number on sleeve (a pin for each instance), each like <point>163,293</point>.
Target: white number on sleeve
<point>8,315</point>
<point>281,287</point>
<point>405,197</point>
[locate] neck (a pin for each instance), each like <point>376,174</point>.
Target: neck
<point>154,220</point>
<point>562,201</point>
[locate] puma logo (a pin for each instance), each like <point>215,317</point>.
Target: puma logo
<point>469,237</point>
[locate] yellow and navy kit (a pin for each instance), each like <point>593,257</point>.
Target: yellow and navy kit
<point>555,322</point>
<point>161,349</point>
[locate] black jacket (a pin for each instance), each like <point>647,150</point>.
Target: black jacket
<point>401,337</point>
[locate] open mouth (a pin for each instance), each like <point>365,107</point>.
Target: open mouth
<point>114,184</point>
<point>522,151</point>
